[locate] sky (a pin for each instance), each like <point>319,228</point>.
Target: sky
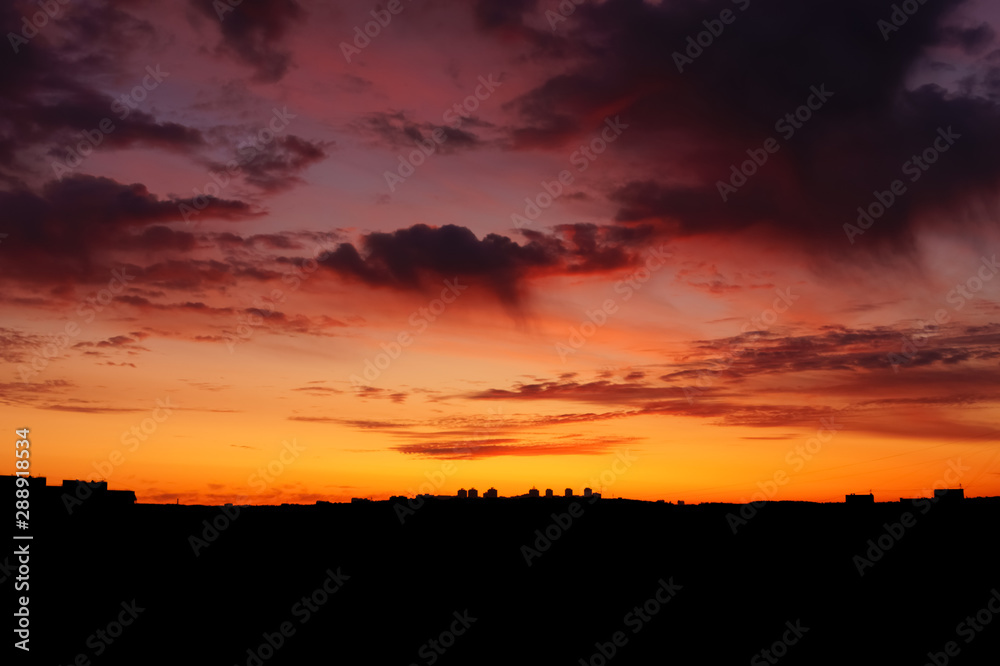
<point>712,251</point>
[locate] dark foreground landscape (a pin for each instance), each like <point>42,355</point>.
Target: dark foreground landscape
<point>609,582</point>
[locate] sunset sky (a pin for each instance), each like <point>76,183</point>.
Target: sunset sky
<point>223,246</point>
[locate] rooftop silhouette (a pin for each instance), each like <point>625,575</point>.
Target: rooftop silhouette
<point>73,493</point>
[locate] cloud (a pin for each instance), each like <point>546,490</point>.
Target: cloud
<point>364,392</point>
<point>319,390</point>
<point>838,349</point>
<point>971,39</point>
<point>12,391</point>
<point>255,32</point>
<point>88,409</point>
<point>15,345</point>
<point>50,102</point>
<point>501,14</point>
<point>121,343</point>
<point>279,165</point>
<point>757,379</point>
<point>63,232</point>
<point>491,448</point>
<point>353,423</point>
<point>475,437</point>
<point>413,258</point>
<point>598,392</point>
<point>393,130</point>
<point>690,127</point>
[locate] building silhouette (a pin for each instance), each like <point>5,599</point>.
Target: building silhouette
<point>491,493</point>
<point>463,493</point>
<point>94,486</point>
<point>72,493</point>
<point>35,484</point>
<point>949,494</point>
<point>548,492</point>
<point>587,492</point>
<point>569,492</point>
<point>99,493</point>
<point>473,493</point>
<point>533,492</point>
<point>859,499</point>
